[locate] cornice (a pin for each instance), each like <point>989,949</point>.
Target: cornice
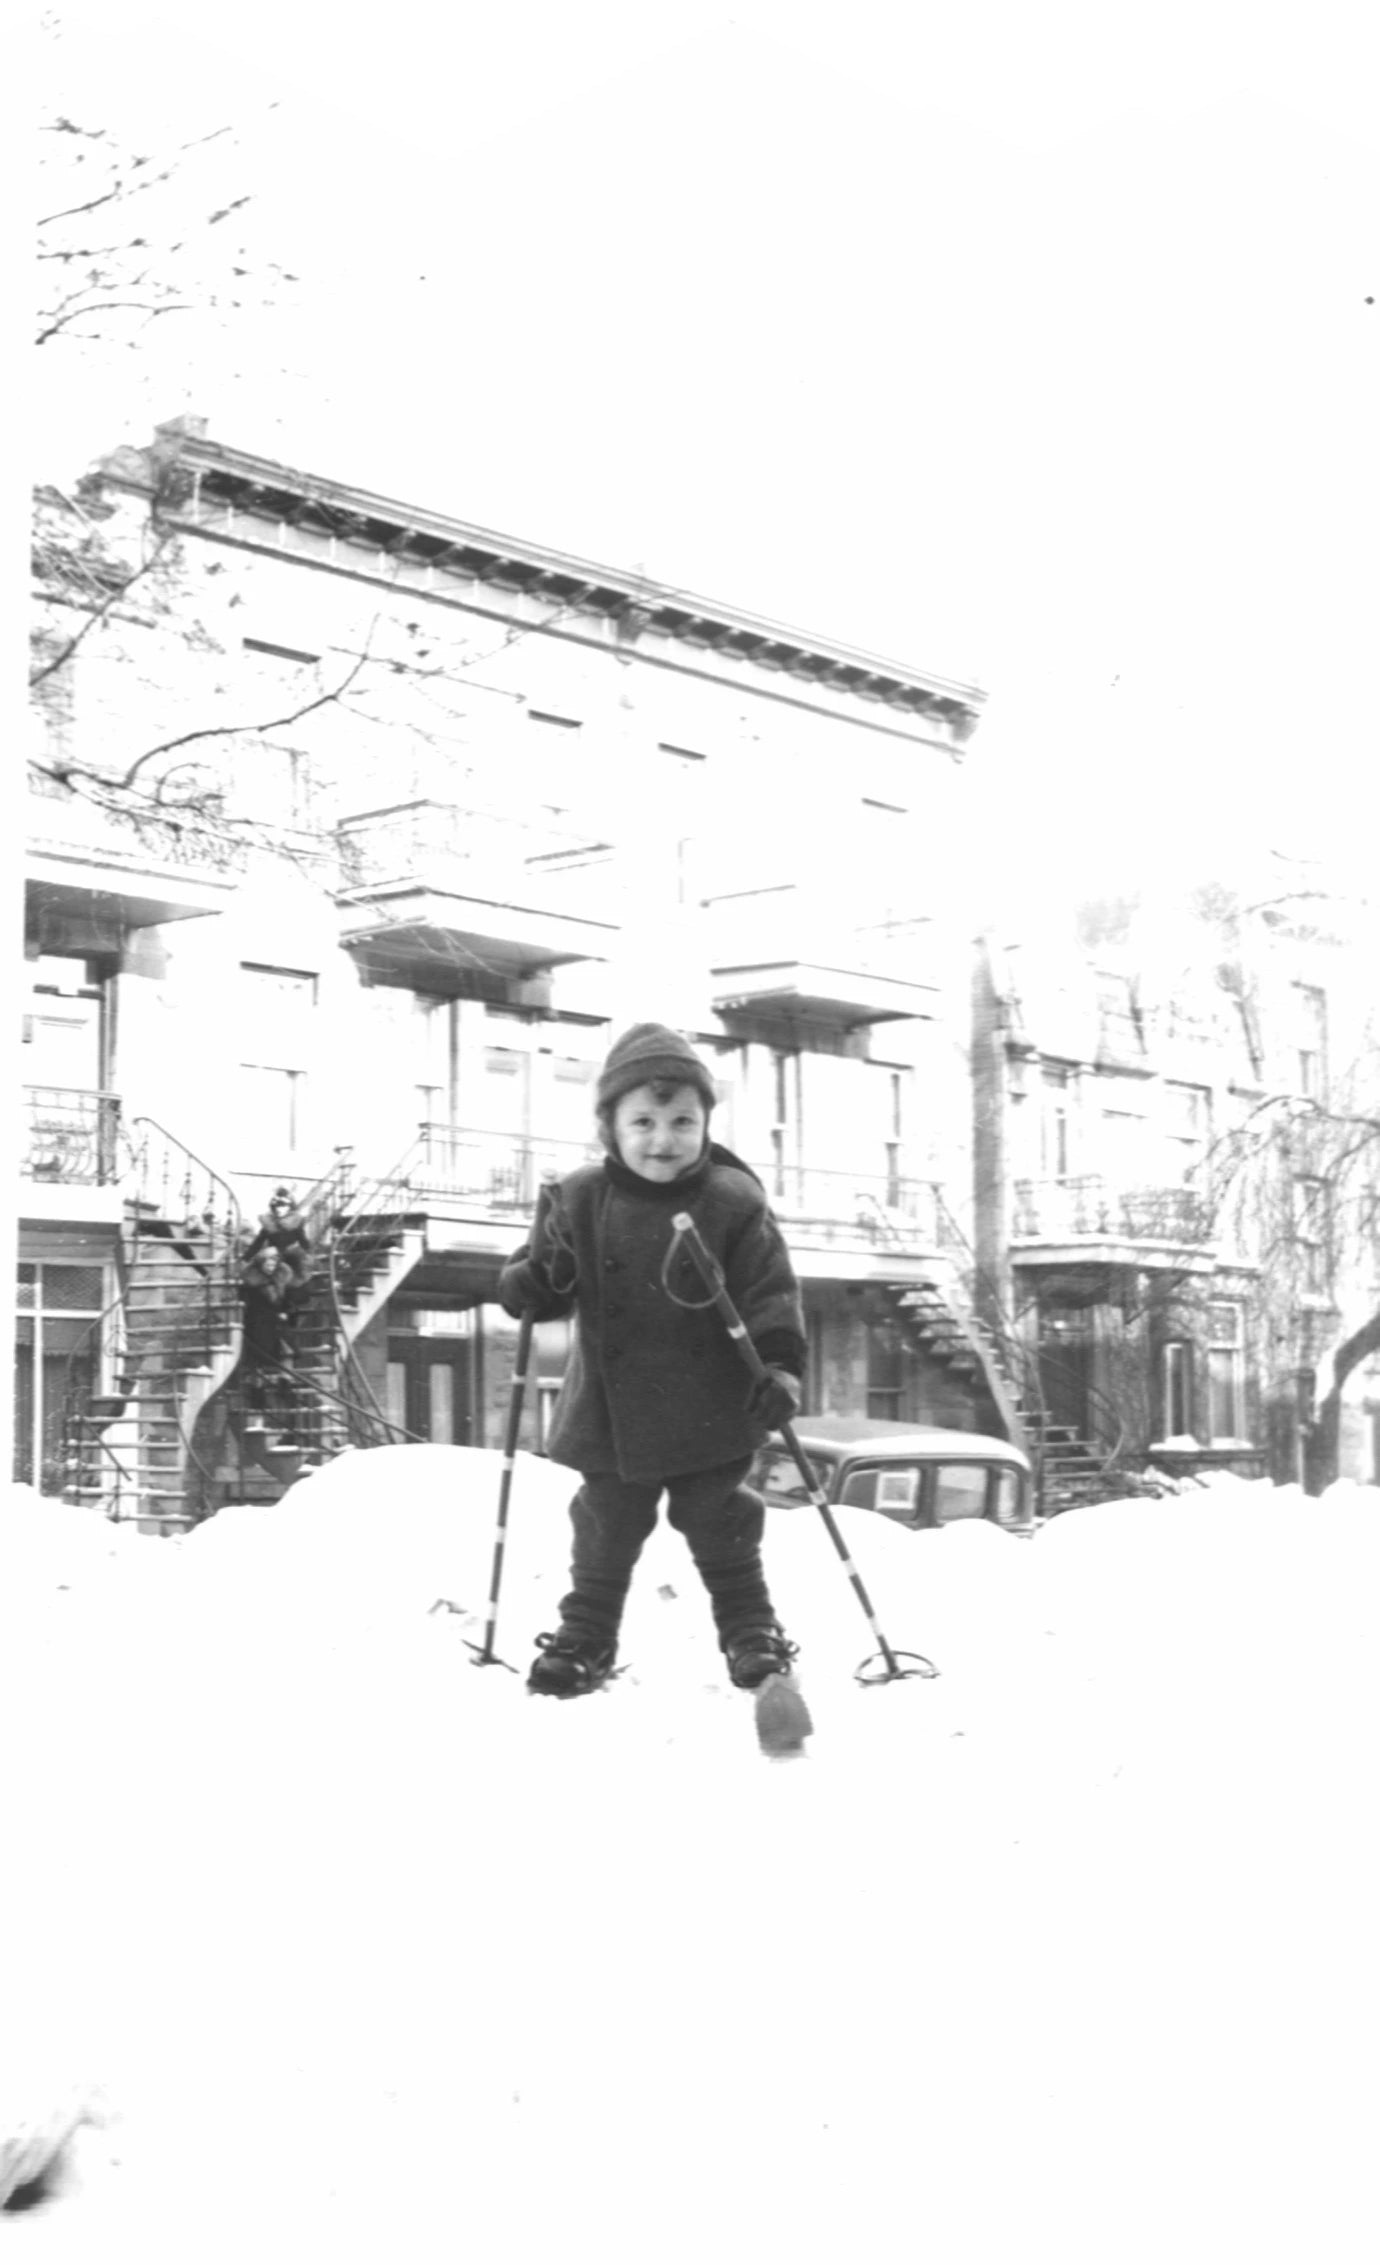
<point>202,480</point>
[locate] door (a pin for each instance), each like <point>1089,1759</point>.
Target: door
<point>1066,1359</point>
<point>429,1388</point>
<point>57,1360</point>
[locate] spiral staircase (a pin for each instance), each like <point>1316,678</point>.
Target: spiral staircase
<point>164,1420</point>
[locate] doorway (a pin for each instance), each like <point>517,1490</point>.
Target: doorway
<point>1066,1350</point>
<point>429,1391</point>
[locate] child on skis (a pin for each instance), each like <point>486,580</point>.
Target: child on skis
<point>655,1396</point>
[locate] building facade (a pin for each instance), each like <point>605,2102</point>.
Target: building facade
<point>355,835</point>
<point>1175,1186</point>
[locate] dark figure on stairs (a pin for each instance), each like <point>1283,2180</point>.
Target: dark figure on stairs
<point>265,1285</point>
<point>283,1228</point>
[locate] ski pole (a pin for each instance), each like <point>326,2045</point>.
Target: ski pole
<point>711,1273</point>
<point>485,1656</point>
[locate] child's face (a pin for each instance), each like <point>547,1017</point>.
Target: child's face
<point>659,1139</point>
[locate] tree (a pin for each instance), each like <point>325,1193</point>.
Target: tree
<point>1296,1182</point>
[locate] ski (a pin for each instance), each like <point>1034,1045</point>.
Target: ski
<point>782,1718</point>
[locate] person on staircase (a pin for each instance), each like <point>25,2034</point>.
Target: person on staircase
<point>283,1228</point>
<point>654,1397</point>
<point>264,1288</point>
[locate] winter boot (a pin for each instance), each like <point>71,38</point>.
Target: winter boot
<point>755,1653</point>
<point>569,1663</point>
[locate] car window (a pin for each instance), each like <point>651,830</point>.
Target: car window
<point>960,1491</point>
<point>893,1489</point>
<point>1009,1494</point>
<point>777,1476</point>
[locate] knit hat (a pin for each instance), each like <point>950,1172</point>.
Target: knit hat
<point>646,1052</point>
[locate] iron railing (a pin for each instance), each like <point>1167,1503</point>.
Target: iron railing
<point>489,854</point>
<point>72,1136</point>
<point>501,1176</point>
<point>181,1209</point>
<point>1090,1205</point>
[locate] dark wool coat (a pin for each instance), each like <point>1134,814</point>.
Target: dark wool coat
<point>264,1298</point>
<point>285,1232</point>
<point>654,1389</point>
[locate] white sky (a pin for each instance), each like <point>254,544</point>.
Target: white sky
<point>1031,345</point>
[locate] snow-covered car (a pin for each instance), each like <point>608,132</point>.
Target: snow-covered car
<point>916,1474</point>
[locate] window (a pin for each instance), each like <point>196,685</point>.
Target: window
<point>1054,1123</point>
<point>1226,1409</point>
<point>1188,1123</point>
<point>1120,1037</point>
<point>1310,1234</point>
<point>960,1491</point>
<point>682,783</point>
<point>1176,1389</point>
<point>785,1131</point>
<point>893,1143</point>
<point>275,1099</point>
<point>885,1369</point>
<point>551,775</point>
<point>1128,1156</point>
<point>277,1007</point>
<point>57,1348</point>
<point>1310,1026</point>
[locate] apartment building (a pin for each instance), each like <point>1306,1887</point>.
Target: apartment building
<point>1175,1200</point>
<point>355,834</point>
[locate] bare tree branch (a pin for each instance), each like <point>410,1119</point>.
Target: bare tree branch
<point>229,731</point>
<point>100,611</point>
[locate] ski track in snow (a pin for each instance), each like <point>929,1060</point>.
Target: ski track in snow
<point>356,1949</point>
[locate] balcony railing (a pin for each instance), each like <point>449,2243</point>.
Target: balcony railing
<point>71,1136</point>
<point>1090,1207</point>
<point>199,838</point>
<point>483,853</point>
<point>501,1175</point>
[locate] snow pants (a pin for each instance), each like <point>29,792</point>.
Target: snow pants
<point>722,1521</point>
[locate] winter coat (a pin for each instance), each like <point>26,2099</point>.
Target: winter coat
<point>264,1294</point>
<point>654,1387</point>
<point>285,1232</point>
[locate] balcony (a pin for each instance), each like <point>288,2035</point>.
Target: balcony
<point>840,1224</point>
<point>70,1136</point>
<point>467,903</point>
<point>92,874</point>
<point>777,956</point>
<point>1088,1218</point>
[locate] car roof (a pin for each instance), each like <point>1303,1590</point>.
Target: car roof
<point>860,1432</point>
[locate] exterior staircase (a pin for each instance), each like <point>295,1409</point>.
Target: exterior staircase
<point>320,1402</point>
<point>173,1428</point>
<point>167,1343</point>
<point>1001,1373</point>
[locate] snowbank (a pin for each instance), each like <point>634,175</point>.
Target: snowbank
<point>1066,1951</point>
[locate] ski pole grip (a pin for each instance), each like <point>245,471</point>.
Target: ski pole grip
<point>711,1274</point>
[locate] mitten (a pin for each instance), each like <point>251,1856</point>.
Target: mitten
<point>523,1288</point>
<point>774,1398</point>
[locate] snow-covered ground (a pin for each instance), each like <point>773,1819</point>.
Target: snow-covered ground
<point>359,1951</point>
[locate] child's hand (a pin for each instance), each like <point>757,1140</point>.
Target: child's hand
<point>774,1398</point>
<point>523,1288</point>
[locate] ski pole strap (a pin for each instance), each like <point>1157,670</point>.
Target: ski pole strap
<point>712,1275</point>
